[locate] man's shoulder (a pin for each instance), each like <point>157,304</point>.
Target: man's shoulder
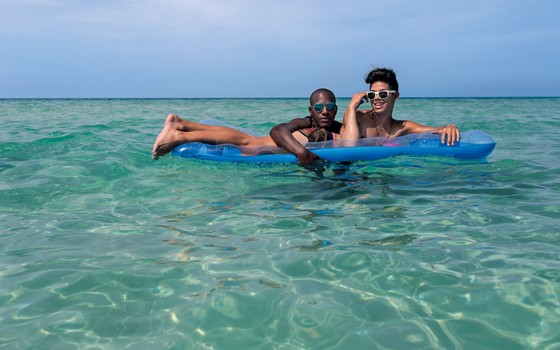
<point>302,120</point>
<point>335,126</point>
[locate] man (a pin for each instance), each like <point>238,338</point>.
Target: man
<point>378,121</point>
<point>318,126</point>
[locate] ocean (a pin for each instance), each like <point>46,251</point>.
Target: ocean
<point>102,247</point>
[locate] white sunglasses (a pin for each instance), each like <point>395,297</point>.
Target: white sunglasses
<point>381,94</point>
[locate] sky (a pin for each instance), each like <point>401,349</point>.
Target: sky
<point>262,48</point>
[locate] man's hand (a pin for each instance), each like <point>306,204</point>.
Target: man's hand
<point>306,158</point>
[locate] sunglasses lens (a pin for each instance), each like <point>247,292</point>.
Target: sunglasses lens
<point>319,106</point>
<point>381,94</point>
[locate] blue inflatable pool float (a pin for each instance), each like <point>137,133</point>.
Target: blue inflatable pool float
<point>474,144</point>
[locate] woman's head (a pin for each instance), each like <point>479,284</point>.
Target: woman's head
<point>384,75</point>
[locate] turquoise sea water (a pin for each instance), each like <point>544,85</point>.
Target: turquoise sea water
<point>103,248</point>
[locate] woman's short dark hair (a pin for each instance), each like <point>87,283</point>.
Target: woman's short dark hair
<point>385,75</point>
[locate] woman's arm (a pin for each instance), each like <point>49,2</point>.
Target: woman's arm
<point>350,129</point>
<point>449,131</point>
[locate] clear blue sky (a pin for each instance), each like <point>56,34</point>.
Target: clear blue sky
<point>262,48</point>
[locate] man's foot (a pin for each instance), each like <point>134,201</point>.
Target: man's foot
<point>167,138</point>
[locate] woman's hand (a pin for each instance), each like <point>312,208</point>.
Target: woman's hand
<point>357,99</point>
<point>449,132</point>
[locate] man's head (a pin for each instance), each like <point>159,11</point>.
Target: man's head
<point>322,107</point>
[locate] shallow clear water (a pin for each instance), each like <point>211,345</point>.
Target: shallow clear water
<point>103,248</point>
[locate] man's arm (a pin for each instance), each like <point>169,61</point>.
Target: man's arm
<point>282,134</point>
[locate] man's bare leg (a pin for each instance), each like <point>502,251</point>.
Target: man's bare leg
<point>177,130</point>
<point>169,136</point>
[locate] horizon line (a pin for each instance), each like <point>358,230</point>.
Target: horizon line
<point>255,98</point>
